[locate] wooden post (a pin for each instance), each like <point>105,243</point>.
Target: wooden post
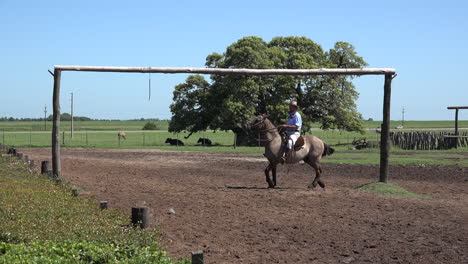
<point>71,113</point>
<point>197,257</point>
<point>235,140</point>
<point>385,133</point>
<point>103,205</point>
<point>56,166</point>
<point>455,140</point>
<point>45,167</point>
<point>140,217</point>
<point>74,192</point>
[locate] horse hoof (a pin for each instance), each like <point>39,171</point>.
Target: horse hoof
<point>322,185</point>
<point>310,186</point>
<point>271,186</point>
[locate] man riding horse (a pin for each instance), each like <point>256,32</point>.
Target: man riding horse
<point>293,130</point>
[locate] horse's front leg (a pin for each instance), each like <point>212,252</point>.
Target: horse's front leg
<point>267,175</point>
<point>273,172</point>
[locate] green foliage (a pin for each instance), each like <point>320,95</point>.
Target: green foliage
<point>41,222</point>
<point>151,126</point>
<point>79,252</point>
<point>388,189</point>
<point>229,101</point>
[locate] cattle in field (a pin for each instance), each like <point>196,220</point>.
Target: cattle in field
<point>174,142</point>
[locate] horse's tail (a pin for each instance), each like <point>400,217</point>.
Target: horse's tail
<point>327,151</point>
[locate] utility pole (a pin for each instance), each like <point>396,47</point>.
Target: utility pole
<point>45,117</point>
<point>71,129</point>
<point>403,117</point>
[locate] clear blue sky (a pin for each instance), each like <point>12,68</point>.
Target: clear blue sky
<point>426,41</point>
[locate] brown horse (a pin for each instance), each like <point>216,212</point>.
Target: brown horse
<point>311,152</point>
<point>122,135</point>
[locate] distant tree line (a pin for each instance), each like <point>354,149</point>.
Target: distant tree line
<point>67,117</point>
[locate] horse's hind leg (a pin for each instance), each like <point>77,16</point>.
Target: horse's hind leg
<point>267,175</point>
<point>318,172</point>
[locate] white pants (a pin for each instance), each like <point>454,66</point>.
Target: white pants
<point>292,139</point>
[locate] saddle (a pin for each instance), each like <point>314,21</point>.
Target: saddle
<point>298,145</point>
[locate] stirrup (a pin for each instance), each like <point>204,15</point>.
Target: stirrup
<point>283,159</point>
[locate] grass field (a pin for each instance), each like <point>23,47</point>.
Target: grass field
<point>103,134</point>
<point>41,222</point>
<point>163,125</point>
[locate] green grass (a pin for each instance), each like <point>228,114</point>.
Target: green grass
<point>388,189</point>
<point>37,216</point>
<point>223,141</point>
<point>163,125</point>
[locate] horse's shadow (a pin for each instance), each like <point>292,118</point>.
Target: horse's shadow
<point>251,188</point>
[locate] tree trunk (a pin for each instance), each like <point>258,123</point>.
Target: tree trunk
<point>244,139</point>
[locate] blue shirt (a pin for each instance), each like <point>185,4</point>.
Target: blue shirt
<point>294,119</point>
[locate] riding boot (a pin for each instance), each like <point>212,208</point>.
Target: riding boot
<point>287,155</point>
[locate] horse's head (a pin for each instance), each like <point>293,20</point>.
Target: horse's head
<point>258,123</point>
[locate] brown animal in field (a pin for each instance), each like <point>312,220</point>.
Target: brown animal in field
<point>122,135</point>
<point>312,149</point>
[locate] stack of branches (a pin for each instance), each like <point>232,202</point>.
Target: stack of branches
<point>418,140</point>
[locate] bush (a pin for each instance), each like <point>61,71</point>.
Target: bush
<point>79,252</point>
<point>151,126</point>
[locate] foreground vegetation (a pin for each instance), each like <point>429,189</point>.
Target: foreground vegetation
<point>388,189</point>
<point>41,222</point>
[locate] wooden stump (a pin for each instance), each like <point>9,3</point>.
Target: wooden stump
<point>103,205</point>
<point>197,257</point>
<point>74,192</point>
<point>140,217</point>
<point>45,167</point>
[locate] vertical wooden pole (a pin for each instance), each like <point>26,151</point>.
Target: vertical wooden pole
<point>235,139</point>
<point>456,128</point>
<point>385,133</point>
<point>56,166</point>
<point>71,113</point>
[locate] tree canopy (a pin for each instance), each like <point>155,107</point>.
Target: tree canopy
<point>228,101</point>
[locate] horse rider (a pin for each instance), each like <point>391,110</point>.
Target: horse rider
<point>293,129</point>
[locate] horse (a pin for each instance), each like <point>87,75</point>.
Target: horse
<point>122,135</point>
<point>312,150</point>
<point>205,141</point>
<point>174,142</point>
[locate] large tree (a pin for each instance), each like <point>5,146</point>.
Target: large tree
<point>228,101</point>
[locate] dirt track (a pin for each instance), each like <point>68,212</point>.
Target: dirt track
<point>223,207</point>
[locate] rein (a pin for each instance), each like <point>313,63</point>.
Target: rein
<point>265,130</point>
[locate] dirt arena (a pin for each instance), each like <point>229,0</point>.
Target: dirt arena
<point>223,207</point>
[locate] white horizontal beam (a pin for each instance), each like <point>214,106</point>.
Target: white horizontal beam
<point>225,71</point>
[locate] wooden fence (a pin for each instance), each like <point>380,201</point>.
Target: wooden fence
<point>419,140</point>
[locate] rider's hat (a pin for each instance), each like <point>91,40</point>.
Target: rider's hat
<point>293,103</point>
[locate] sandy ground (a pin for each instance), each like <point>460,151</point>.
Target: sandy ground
<point>223,207</point>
